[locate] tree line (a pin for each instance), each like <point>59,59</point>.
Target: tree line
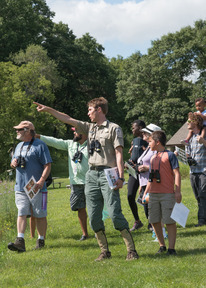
<point>44,61</point>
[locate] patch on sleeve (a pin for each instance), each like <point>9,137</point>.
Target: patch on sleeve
<point>119,132</point>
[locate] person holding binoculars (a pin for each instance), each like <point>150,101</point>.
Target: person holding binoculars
<point>78,166</point>
<point>105,146</point>
<point>164,190</point>
<point>31,158</point>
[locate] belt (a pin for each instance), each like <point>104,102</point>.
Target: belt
<point>99,168</point>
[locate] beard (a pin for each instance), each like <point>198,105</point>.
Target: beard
<point>77,138</point>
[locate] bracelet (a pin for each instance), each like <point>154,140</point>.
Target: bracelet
<point>122,179</point>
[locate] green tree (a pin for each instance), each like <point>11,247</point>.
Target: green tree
<point>155,87</point>
<point>35,80</point>
<point>23,22</point>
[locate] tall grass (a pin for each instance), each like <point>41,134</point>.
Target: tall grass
<point>7,207</point>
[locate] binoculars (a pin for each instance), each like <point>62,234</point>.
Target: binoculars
<point>154,174</point>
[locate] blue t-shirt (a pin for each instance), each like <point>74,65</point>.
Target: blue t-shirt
<point>35,159</point>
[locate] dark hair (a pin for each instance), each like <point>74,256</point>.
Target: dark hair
<point>139,123</point>
<point>99,102</point>
<point>159,136</point>
<point>200,99</point>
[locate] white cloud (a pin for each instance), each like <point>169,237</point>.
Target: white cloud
<point>129,22</point>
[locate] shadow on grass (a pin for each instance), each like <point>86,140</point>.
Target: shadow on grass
<point>191,233</point>
<point>180,253</point>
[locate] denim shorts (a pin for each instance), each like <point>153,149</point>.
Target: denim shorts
<point>160,207</point>
<point>38,204</point>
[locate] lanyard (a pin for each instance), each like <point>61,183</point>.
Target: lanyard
<point>159,160</point>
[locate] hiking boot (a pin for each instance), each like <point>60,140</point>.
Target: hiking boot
<point>18,245</point>
<point>132,255</point>
<point>136,226</point>
<point>161,250</point>
<point>40,243</point>
<point>171,252</point>
<point>104,255</point>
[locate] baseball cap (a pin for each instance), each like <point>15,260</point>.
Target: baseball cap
<point>150,128</point>
<point>25,124</point>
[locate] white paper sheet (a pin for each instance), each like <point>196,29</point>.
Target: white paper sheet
<point>180,213</point>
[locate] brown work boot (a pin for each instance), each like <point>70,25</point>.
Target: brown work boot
<point>132,255</point>
<point>103,256</point>
<point>18,245</point>
<point>39,243</point>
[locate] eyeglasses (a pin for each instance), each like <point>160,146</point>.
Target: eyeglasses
<point>189,121</point>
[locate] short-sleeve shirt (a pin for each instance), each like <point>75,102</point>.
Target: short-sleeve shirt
<point>144,159</point>
<point>138,144</point>
<point>165,162</point>
<point>77,170</point>
<point>198,152</point>
<point>109,135</point>
<point>203,113</point>
<point>35,159</point>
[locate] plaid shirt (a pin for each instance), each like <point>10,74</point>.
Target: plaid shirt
<point>198,152</point>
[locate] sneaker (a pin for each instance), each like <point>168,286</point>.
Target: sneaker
<point>136,226</point>
<point>149,227</point>
<point>18,245</point>
<point>161,250</point>
<point>199,224</point>
<point>132,255</point>
<point>40,243</point>
<point>184,142</point>
<point>171,252</point>
<point>165,236</point>
<point>83,238</point>
<point>154,234</point>
<point>155,240</point>
<point>103,256</point>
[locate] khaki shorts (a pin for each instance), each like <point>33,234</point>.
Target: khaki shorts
<point>160,207</point>
<point>39,204</point>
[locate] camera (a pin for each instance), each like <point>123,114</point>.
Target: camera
<point>154,174</point>
<point>137,166</point>
<point>94,146</point>
<point>21,162</point>
<point>191,161</point>
<point>77,157</point>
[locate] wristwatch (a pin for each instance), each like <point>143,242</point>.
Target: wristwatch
<point>122,179</point>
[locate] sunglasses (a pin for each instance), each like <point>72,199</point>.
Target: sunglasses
<point>189,121</point>
<point>21,129</point>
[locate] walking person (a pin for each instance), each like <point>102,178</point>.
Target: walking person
<point>31,158</point>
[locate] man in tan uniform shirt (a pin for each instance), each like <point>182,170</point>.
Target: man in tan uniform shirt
<point>105,146</point>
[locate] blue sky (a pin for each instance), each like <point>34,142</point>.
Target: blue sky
<point>124,27</point>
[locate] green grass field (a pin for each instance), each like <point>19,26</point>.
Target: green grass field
<point>67,262</point>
